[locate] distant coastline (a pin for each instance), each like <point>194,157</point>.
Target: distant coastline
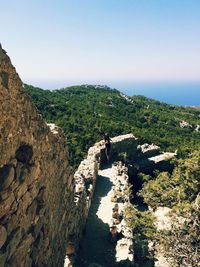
<point>175,93</point>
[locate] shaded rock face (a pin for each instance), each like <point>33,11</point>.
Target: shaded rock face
<point>36,183</point>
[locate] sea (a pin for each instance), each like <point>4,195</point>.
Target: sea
<point>181,93</point>
<point>175,93</point>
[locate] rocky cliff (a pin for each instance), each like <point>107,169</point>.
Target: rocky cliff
<point>36,183</point>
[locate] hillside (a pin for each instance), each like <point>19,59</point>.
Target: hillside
<point>84,111</point>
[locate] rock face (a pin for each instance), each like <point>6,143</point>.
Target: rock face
<point>36,183</point>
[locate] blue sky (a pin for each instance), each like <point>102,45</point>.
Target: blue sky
<point>57,43</point>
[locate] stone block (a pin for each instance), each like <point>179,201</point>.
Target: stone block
<point>15,239</point>
<point>31,210</point>
<point>25,201</point>
<point>36,229</point>
<point>36,171</point>
<point>34,254</point>
<point>7,174</point>
<point>23,175</point>
<point>6,205</point>
<point>5,195</point>
<point>13,223</point>
<point>20,191</point>
<point>13,162</point>
<point>20,255</point>
<point>3,235</point>
<point>39,240</point>
<point>19,169</point>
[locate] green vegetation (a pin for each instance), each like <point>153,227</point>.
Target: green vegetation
<point>140,222</point>
<point>142,225</point>
<point>83,111</point>
<point>182,241</point>
<point>180,191</point>
<point>182,186</point>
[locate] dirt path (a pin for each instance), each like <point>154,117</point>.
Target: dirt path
<point>96,247</point>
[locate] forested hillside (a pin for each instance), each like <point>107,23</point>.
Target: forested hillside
<point>84,111</point>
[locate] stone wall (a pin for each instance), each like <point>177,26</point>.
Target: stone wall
<point>123,147</point>
<point>36,181</point>
<point>85,179</point>
<point>120,196</point>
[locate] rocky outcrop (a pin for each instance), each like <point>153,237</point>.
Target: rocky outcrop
<point>36,182</point>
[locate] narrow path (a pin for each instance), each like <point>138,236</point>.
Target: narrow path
<point>96,248</point>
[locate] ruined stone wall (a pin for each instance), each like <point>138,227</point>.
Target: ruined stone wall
<point>36,182</point>
<point>86,175</point>
<point>85,179</point>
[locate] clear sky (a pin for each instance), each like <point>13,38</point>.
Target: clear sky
<point>54,43</point>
